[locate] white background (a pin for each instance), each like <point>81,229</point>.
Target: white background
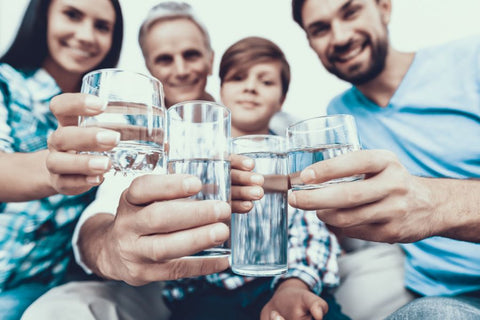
<point>415,24</point>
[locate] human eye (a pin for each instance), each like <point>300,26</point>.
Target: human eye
<point>190,55</point>
<point>351,12</point>
<point>318,29</point>
<point>235,77</point>
<point>163,59</point>
<point>103,26</point>
<point>73,14</point>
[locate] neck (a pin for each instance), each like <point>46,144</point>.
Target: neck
<point>381,89</point>
<point>66,80</point>
<point>238,132</point>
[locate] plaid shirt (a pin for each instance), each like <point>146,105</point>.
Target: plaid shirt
<point>312,258</point>
<point>35,235</point>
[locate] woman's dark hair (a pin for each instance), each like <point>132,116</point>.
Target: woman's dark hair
<point>251,50</point>
<point>29,48</point>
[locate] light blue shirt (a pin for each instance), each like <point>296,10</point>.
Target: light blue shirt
<point>432,124</point>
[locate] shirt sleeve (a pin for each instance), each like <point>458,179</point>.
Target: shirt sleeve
<point>106,201</point>
<point>312,252</point>
<point>5,130</point>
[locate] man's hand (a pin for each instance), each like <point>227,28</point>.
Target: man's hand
<point>154,228</point>
<point>70,172</point>
<point>390,205</point>
<point>294,301</point>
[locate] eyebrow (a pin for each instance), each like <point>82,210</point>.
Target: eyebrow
<point>80,11</point>
<point>320,23</point>
<point>346,5</point>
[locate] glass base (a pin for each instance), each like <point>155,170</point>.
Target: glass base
<point>211,253</point>
<point>259,270</point>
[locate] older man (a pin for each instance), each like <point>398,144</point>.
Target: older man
<point>177,51</point>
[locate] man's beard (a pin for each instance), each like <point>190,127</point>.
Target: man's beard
<point>375,67</point>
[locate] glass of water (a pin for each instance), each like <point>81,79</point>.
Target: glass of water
<point>319,139</point>
<point>136,110</point>
<point>199,144</point>
<point>260,237</point>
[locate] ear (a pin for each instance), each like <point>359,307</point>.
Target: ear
<point>385,7</point>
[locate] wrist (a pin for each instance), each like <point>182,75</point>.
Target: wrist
<point>292,283</point>
<point>93,242</point>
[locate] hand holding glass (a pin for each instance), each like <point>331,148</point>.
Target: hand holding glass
<point>259,237</point>
<point>317,139</point>
<point>199,144</point>
<point>135,110</point>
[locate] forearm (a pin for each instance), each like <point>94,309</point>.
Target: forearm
<point>91,241</point>
<point>24,177</point>
<point>456,205</point>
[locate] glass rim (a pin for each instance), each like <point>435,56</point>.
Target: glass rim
<point>332,116</point>
<point>187,102</point>
<point>97,71</point>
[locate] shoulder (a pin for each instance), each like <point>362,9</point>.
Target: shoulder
<point>459,49</point>
<point>11,79</point>
<point>10,74</point>
<point>342,102</point>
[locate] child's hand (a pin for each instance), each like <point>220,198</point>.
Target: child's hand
<point>294,301</point>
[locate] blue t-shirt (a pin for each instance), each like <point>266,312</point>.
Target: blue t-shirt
<point>432,124</point>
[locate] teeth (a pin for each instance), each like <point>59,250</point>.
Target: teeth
<point>80,52</point>
<point>351,54</point>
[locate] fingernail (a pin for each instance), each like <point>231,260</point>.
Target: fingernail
<point>190,184</point>
<point>222,210</point>
<point>248,163</point>
<point>95,104</point>
<point>94,180</point>
<point>257,179</point>
<point>219,233</point>
<point>108,138</point>
<point>247,204</point>
<point>99,163</point>
<point>256,192</point>
<point>292,199</point>
<point>307,175</point>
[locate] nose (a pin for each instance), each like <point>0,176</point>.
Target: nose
<point>181,68</point>
<point>341,33</point>
<point>250,84</point>
<point>85,32</point>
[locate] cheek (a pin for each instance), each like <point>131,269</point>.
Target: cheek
<point>201,68</point>
<point>226,95</point>
<point>160,73</point>
<point>320,49</point>
<point>106,43</point>
<point>274,99</point>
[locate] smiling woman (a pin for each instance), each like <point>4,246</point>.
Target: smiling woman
<point>79,37</point>
<point>57,43</point>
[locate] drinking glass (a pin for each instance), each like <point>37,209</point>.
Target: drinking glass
<point>199,145</point>
<point>259,238</point>
<point>317,139</point>
<point>135,109</point>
